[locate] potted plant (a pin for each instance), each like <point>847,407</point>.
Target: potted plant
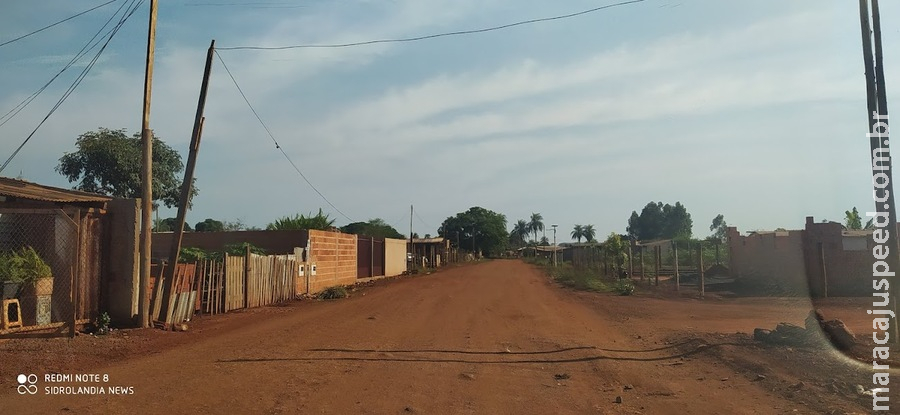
<point>12,274</point>
<point>37,274</point>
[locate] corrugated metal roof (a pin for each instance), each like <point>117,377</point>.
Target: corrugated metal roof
<point>26,190</point>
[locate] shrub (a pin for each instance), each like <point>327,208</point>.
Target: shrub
<point>624,287</point>
<point>332,293</point>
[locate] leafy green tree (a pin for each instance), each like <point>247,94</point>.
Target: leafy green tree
<point>483,228</point>
<point>209,225</point>
<point>589,232</point>
<point>852,220</point>
<point>617,249</point>
<point>578,233</point>
<point>719,228</point>
<point>168,225</point>
<point>659,221</point>
<point>544,241</point>
<point>320,221</point>
<point>536,224</point>
<point>109,162</point>
<point>373,227</point>
<point>519,233</point>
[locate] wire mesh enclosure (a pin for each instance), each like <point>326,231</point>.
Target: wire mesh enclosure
<point>50,263</point>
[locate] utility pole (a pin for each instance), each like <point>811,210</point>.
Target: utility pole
<point>554,245</point>
<point>186,187</point>
<point>877,121</point>
<point>147,176</point>
<point>412,250</point>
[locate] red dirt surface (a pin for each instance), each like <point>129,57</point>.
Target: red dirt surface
<point>497,337</point>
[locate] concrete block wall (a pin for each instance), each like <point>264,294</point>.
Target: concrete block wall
<point>121,279</point>
<point>769,258</point>
<point>394,257</point>
<point>334,255</point>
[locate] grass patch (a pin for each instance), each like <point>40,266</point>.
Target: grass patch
<point>584,279</point>
<point>333,293</point>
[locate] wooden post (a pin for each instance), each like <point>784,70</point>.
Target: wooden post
<point>700,269</point>
<point>824,271</point>
<point>642,261</point>
<point>372,257</point>
<point>658,253</point>
<point>630,261</point>
<point>147,176</point>
<point>186,186</point>
<point>677,277</point>
<point>247,276</point>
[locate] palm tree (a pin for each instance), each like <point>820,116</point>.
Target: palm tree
<point>589,232</point>
<point>536,224</point>
<point>578,233</point>
<point>519,232</point>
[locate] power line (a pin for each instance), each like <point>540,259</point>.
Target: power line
<point>417,38</point>
<point>78,79</point>
<point>278,146</point>
<point>90,45</point>
<point>54,24</point>
<point>422,220</point>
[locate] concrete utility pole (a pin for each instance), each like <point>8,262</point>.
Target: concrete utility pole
<point>147,177</point>
<point>877,121</point>
<point>412,251</point>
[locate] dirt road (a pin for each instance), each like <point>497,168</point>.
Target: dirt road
<point>493,338</point>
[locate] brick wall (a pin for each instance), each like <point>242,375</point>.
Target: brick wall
<point>273,242</point>
<point>769,258</point>
<point>334,255</point>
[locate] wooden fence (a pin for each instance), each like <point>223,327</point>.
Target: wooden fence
<point>230,284</point>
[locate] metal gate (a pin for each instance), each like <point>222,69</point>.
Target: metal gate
<point>369,257</point>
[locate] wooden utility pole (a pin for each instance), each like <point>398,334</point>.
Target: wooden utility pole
<point>877,121</point>
<point>186,186</point>
<point>147,177</point>
<point>411,246</point>
<point>677,276</point>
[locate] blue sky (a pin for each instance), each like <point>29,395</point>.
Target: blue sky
<point>753,109</point>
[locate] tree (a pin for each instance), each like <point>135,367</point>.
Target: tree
<point>659,221</point>
<point>544,241</point>
<point>238,225</point>
<point>589,232</point>
<point>617,249</point>
<point>719,228</point>
<point>852,220</point>
<point>536,224</point>
<point>519,233</point>
<point>209,225</point>
<point>479,227</point>
<point>578,233</point>
<point>373,227</point>
<point>168,225</point>
<point>109,162</point>
<point>320,222</point>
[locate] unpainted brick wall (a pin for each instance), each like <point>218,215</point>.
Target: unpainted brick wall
<point>334,255</point>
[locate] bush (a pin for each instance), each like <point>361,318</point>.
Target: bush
<point>624,287</point>
<point>191,255</point>
<point>332,293</point>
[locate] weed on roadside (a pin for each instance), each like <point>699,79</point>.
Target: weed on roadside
<point>332,293</point>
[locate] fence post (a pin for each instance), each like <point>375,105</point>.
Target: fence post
<point>630,261</point>
<point>642,261</point>
<point>247,276</point>
<point>822,264</point>
<point>700,269</point>
<point>658,253</point>
<point>677,277</point>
